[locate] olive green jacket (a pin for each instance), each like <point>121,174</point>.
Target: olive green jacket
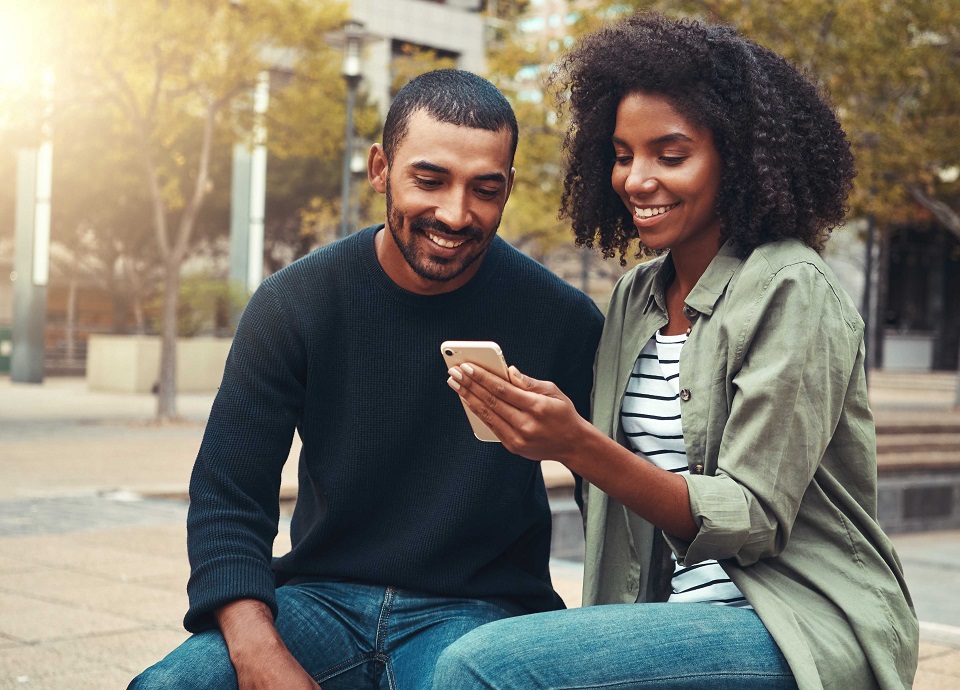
<point>781,447</point>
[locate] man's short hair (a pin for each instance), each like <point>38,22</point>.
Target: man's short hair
<point>453,96</point>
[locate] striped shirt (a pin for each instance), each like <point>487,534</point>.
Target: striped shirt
<point>650,415</point>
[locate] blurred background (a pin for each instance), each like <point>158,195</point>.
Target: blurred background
<point>159,158</point>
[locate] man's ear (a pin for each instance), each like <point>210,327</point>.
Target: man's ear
<point>378,168</point>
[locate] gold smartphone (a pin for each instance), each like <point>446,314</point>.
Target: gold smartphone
<point>485,353</point>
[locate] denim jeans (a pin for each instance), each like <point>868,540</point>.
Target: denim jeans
<point>624,646</point>
<point>347,636</point>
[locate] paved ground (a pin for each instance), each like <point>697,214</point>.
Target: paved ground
<point>92,556</point>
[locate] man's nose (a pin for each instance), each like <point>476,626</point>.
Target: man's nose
<point>454,210</point>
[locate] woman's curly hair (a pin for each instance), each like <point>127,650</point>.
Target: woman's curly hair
<point>787,165</point>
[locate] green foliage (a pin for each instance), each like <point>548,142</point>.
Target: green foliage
<point>206,306</point>
<point>518,66</point>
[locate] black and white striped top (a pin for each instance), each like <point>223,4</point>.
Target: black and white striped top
<point>650,415</point>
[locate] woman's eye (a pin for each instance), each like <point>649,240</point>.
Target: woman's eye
<point>673,160</point>
<point>623,160</point>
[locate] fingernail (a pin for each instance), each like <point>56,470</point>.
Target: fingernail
<point>455,373</point>
<point>453,384</point>
<point>515,372</point>
<point>467,368</point>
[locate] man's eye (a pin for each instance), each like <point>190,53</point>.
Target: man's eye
<point>427,182</point>
<point>487,193</point>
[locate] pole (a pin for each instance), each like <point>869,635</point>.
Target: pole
<point>29,288</point>
<point>32,254</point>
<point>345,201</point>
<point>248,198</point>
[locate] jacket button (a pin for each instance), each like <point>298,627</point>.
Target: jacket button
<point>689,312</point>
<point>685,395</point>
<point>698,469</point>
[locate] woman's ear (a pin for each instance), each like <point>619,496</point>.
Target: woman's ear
<point>377,168</point>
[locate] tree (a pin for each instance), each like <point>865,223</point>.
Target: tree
<point>518,65</point>
<point>178,73</point>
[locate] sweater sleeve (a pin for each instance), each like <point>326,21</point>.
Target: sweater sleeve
<point>235,485</point>
<point>577,382</point>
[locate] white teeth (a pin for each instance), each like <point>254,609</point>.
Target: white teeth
<point>443,242</point>
<point>651,212</point>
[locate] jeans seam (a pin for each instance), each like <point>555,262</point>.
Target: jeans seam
<point>343,666</point>
<point>385,610</point>
<point>380,645</point>
<point>660,679</point>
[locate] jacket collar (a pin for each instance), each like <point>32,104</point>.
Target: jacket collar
<point>708,289</point>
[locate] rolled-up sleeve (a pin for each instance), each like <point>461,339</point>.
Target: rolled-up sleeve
<point>790,358</point>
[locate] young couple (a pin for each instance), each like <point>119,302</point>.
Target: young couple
<point>728,458</point>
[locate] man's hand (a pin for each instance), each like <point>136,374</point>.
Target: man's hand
<point>260,657</point>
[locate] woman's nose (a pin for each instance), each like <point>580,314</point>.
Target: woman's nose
<point>640,181</point>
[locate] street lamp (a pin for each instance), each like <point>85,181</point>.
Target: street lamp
<point>353,38</point>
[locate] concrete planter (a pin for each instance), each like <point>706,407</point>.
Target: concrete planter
<point>129,363</point>
<point>910,351</point>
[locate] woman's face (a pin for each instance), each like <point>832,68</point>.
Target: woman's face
<point>667,172</point>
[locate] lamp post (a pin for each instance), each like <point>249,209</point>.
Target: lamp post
<point>248,197</point>
<point>353,37</point>
<point>32,238</point>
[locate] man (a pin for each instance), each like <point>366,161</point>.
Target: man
<point>408,532</point>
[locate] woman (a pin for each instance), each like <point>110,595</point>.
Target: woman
<point>730,471</point>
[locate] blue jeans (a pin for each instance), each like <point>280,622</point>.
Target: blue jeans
<point>347,636</point>
<point>662,646</point>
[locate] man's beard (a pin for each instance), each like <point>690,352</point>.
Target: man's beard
<point>433,268</point>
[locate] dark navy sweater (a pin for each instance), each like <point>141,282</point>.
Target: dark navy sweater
<point>394,488</point>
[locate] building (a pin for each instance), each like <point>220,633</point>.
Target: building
<point>451,29</point>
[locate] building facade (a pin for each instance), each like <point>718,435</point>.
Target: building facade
<point>452,29</point>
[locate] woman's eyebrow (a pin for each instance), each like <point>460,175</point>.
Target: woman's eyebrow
<point>665,139</point>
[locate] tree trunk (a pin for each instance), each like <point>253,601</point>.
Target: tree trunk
<point>167,383</point>
<point>173,260</point>
<point>71,325</point>
<point>140,322</point>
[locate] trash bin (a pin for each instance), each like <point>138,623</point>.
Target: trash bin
<point>6,349</point>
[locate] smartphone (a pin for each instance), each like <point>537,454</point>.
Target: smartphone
<point>487,354</point>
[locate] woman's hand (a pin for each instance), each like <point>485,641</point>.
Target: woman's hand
<point>536,420</point>
<point>531,418</point>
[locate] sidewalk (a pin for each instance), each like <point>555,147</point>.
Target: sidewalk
<point>92,539</point>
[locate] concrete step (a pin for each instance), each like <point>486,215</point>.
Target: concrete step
<point>917,443</point>
<point>935,461</point>
<point>930,424</point>
<point>913,380</point>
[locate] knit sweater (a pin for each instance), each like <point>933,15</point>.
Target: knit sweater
<point>394,489</point>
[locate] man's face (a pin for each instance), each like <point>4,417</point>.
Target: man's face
<point>446,188</point>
